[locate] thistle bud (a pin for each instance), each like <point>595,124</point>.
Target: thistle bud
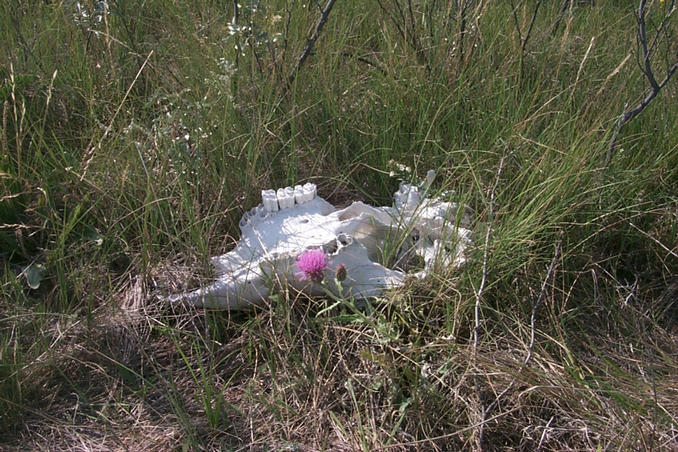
<point>341,273</point>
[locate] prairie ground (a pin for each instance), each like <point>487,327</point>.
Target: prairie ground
<point>136,134</point>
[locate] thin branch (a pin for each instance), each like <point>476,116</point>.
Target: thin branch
<point>462,33</point>
<point>483,279</point>
<point>514,11</point>
<point>413,33</point>
<point>393,20</point>
<point>431,440</point>
<point>481,289</point>
<point>529,29</point>
<point>524,39</point>
<point>530,348</point>
<point>629,115</point>
<point>311,42</point>
<point>374,64</point>
<point>561,13</point>
<point>463,12</point>
<point>646,68</point>
<point>642,39</point>
<point>401,14</point>
<point>406,26</point>
<point>286,37</point>
<point>662,26</point>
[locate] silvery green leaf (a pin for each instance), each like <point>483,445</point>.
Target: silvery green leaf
<point>93,236</point>
<point>34,274</point>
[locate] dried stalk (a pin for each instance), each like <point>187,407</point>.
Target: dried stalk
<point>89,151</point>
<point>479,295</point>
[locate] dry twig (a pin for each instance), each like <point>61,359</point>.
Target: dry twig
<point>481,289</point>
<point>325,13</point>
<point>530,348</point>
<point>646,67</point>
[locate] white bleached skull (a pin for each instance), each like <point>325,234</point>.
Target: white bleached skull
<point>376,245</point>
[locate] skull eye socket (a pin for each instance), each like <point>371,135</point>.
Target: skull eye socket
<point>330,248</point>
<point>344,239</point>
<point>341,240</point>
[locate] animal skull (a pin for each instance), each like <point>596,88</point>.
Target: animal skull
<point>292,220</point>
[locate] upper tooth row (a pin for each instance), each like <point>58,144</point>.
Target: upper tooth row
<point>284,198</point>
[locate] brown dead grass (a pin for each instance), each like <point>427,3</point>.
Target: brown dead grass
<point>281,379</point>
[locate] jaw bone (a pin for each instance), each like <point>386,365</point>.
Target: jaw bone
<point>290,221</point>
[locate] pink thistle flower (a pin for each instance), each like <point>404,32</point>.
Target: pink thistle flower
<point>312,263</point>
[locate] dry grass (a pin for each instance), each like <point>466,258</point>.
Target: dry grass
<point>138,375</point>
<point>121,173</point>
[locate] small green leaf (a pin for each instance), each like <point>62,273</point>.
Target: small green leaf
<point>92,235</point>
<point>34,274</point>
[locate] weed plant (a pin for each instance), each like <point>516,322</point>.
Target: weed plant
<point>136,134</point>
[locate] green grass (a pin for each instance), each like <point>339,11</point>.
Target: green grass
<point>133,141</point>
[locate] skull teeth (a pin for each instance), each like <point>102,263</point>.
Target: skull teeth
<point>305,193</point>
<point>270,200</point>
<point>280,199</point>
<point>287,197</point>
